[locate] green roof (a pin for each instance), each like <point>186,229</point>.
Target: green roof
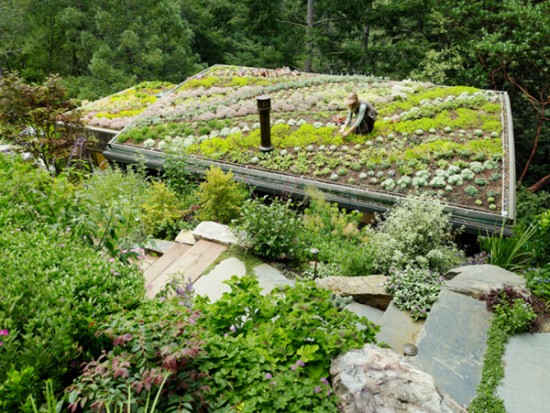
<point>454,142</point>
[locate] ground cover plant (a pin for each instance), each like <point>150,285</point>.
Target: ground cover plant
<point>513,314</point>
<point>246,352</point>
<point>441,140</point>
<point>116,111</point>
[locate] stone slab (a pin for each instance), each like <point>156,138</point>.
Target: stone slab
<point>186,237</point>
<point>269,278</point>
<point>474,280</point>
<point>159,246</point>
<point>397,328</point>
<point>212,284</point>
<point>212,231</point>
<point>367,290</point>
<point>373,314</point>
<point>526,383</point>
<point>452,344</point>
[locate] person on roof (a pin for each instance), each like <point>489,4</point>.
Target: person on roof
<point>365,116</point>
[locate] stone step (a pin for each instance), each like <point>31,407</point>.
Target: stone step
<point>213,284</point>
<point>452,344</point>
<point>183,260</point>
<point>270,278</point>
<point>398,328</point>
<point>526,383</point>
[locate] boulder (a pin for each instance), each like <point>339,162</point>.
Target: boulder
<point>376,380</point>
<point>213,231</point>
<point>367,290</point>
<point>474,280</point>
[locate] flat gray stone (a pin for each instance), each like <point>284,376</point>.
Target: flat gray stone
<point>452,344</point>
<point>397,328</point>
<point>474,280</point>
<point>212,231</point>
<point>367,290</point>
<point>269,278</point>
<point>186,237</point>
<point>526,384</point>
<point>159,246</point>
<point>212,284</point>
<point>362,310</point>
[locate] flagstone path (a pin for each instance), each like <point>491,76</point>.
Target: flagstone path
<point>451,343</point>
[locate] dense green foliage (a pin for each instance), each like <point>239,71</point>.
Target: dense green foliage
<point>57,282</point>
<point>246,352</point>
<point>220,197</point>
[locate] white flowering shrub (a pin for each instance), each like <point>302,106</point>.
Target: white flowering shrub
<point>415,233</point>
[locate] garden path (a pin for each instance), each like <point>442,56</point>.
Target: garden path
<point>451,344</point>
<point>181,259</point>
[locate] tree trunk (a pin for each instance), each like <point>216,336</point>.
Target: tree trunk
<point>309,30</point>
<point>366,35</point>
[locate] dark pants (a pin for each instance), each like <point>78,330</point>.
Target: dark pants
<point>365,127</point>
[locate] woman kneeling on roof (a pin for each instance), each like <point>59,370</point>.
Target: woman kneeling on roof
<point>364,113</point>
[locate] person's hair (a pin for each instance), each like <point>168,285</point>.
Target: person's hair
<point>352,99</point>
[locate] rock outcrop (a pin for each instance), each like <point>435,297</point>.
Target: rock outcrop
<point>376,380</point>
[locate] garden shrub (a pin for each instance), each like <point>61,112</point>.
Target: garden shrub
<point>281,346</point>
<point>161,212</point>
<point>271,230</point>
<point>55,288</point>
<point>246,352</point>
<point>416,233</point>
<point>414,290</point>
<point>335,233</point>
<point>154,349</point>
<point>220,197</point>
<point>176,175</point>
<point>538,282</point>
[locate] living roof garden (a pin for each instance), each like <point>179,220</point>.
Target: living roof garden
<point>116,111</point>
<point>454,142</point>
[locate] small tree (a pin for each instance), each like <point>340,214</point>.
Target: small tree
<point>220,197</point>
<point>40,119</point>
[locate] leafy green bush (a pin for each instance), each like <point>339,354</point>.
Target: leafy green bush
<point>176,175</point>
<point>161,212</point>
<point>271,230</point>
<point>416,233</point>
<point>220,198</point>
<point>246,352</point>
<point>155,351</point>
<point>414,290</point>
<point>336,234</point>
<point>55,288</point>
<point>281,346</point>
